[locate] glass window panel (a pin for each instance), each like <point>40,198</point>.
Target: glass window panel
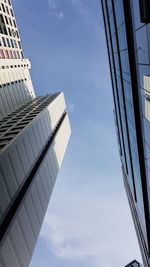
<point>147,130</point>
<point>114,43</point>
<point>130,112</point>
<point>109,4</point>
<point>122,37</point>
<point>112,26</point>
<point>116,61</point>
<point>128,90</point>
<point>142,46</point>
<point>119,12</point>
<point>136,12</point>
<point>125,61</point>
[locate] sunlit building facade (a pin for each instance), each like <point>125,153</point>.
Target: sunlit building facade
<point>15,82</point>
<point>127,27</point>
<point>34,132</point>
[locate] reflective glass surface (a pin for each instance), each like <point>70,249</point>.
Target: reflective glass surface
<point>124,92</point>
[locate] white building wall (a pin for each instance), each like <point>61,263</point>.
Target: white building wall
<point>15,82</point>
<point>10,42</point>
<point>17,158</point>
<point>147,96</point>
<point>26,227</point>
<point>16,86</point>
<point>15,162</point>
<point>56,109</point>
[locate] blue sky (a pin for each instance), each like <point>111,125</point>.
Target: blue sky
<point>88,222</point>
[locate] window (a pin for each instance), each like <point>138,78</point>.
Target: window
<point>22,124</point>
<point>144,10</point>
<point>21,54</point>
<point>10,54</point>
<point>3,8</point>
<point>4,42</point>
<point>19,127</point>
<point>1,19</point>
<point>17,34</point>
<point>6,53</point>
<point>7,10</point>
<point>2,53</point>
<point>10,135</point>
<point>2,25</point>
<point>19,44</point>
<point>14,33</point>
<point>15,56</point>
<point>15,43</point>
<point>12,44</point>
<point>15,24</point>
<point>9,32</point>
<point>12,12</point>
<point>5,140</point>
<point>1,146</point>
<point>6,20</point>
<point>8,42</point>
<point>2,131</point>
<point>10,21</point>
<point>18,55</point>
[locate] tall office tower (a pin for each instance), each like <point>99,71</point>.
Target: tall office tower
<point>127,27</point>
<point>15,81</point>
<point>134,264</point>
<point>34,132</point>
<point>33,140</point>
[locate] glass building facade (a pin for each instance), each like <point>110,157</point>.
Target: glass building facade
<point>127,30</point>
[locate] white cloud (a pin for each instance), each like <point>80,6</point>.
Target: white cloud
<point>54,9</point>
<point>53,4</point>
<point>81,7</point>
<point>60,15</point>
<point>89,224</point>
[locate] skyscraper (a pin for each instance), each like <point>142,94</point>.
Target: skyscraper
<point>134,263</point>
<point>34,132</point>
<point>15,81</point>
<point>127,30</point>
